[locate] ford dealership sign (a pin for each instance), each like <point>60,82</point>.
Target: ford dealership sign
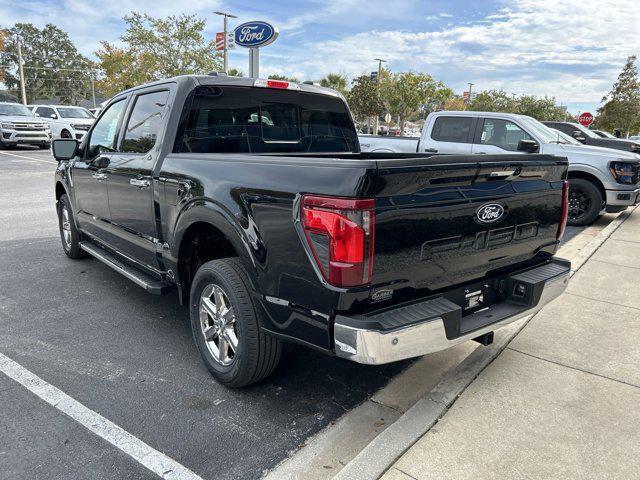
<point>255,34</point>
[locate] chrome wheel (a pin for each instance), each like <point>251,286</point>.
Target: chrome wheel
<point>218,324</point>
<point>66,227</point>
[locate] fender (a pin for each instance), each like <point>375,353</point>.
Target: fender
<point>591,170</point>
<point>208,211</point>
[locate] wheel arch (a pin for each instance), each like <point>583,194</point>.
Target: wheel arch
<point>205,232</point>
<point>590,177</point>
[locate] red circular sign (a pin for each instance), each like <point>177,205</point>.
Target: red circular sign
<point>585,119</point>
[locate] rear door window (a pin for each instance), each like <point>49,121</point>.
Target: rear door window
<point>256,120</point>
<point>452,129</point>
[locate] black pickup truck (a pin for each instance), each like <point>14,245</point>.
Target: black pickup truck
<point>252,200</point>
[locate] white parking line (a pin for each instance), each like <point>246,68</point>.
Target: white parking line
<point>155,461</point>
<point>24,157</point>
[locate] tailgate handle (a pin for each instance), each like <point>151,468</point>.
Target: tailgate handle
<point>503,174</point>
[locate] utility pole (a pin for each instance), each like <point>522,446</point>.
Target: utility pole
<point>380,62</point>
<point>20,69</point>
<point>93,91</point>
<point>225,50</point>
<point>470,85</point>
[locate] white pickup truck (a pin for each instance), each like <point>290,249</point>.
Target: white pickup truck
<point>601,179</point>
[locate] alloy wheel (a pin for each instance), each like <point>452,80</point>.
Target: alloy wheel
<point>579,204</point>
<point>218,324</point>
<point>66,227</point>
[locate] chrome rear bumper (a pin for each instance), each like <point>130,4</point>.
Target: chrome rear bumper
<point>356,340</point>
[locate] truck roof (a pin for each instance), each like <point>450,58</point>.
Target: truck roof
<point>473,113</point>
<point>222,79</point>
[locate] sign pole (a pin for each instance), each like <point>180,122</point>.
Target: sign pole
<point>254,62</point>
<point>21,72</point>
<point>225,50</point>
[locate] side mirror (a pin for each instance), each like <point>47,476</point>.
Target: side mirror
<point>64,148</point>
<point>37,114</point>
<point>529,146</point>
<point>54,116</point>
<point>578,136</point>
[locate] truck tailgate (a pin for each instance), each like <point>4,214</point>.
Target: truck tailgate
<point>443,221</point>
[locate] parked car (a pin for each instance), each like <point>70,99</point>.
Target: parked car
<point>635,138</point>
<point>588,137</point>
<point>603,134</point>
<point>252,200</point>
<point>65,121</point>
<point>18,126</point>
<point>600,178</point>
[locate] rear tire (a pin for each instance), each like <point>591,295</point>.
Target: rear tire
<point>219,325</point>
<point>585,202</point>
<point>69,234</point>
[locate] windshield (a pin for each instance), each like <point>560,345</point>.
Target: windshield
<point>606,134</point>
<point>564,138</point>
<point>260,120</point>
<point>15,109</point>
<point>584,130</point>
<point>74,112</point>
<point>544,133</point>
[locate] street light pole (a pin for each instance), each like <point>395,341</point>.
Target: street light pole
<point>380,62</point>
<point>470,85</point>
<point>21,71</point>
<point>225,50</point>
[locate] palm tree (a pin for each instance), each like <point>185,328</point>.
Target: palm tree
<point>336,81</point>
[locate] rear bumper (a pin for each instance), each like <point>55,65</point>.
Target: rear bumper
<point>623,197</point>
<point>437,324</point>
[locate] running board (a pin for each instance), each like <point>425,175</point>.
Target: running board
<point>150,284</point>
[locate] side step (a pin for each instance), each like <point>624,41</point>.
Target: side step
<point>150,284</point>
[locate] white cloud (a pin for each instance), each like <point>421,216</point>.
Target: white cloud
<point>571,50</point>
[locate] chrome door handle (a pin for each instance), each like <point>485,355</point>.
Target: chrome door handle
<point>136,182</point>
<point>99,176</point>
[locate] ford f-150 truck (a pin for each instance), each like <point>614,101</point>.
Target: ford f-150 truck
<point>601,179</point>
<point>252,200</point>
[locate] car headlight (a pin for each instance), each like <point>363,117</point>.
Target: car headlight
<point>624,172</point>
<point>80,126</point>
<point>635,147</point>
<point>8,125</point>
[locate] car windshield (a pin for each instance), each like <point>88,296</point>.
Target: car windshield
<point>15,109</point>
<point>74,112</point>
<point>606,134</point>
<point>584,130</point>
<point>544,133</point>
<point>564,138</point>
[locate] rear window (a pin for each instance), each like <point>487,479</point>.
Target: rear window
<point>452,129</point>
<point>256,120</point>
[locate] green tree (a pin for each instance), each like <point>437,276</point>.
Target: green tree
<point>540,108</point>
<point>364,99</point>
<point>406,93</point>
<point>335,81</point>
<point>157,48</point>
<point>53,67</point>
<point>621,106</point>
<point>493,101</point>
<point>234,72</point>
<point>284,78</point>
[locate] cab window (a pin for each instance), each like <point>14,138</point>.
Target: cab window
<point>104,133</point>
<point>502,134</point>
<point>144,122</point>
<point>46,112</point>
<point>452,129</point>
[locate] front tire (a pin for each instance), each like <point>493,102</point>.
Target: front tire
<point>69,234</point>
<point>585,202</point>
<point>226,328</point>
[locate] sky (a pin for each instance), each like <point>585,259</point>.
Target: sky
<point>572,50</point>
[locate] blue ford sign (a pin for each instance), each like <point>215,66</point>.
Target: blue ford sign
<point>255,34</point>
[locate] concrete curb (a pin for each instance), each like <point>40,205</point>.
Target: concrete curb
<point>377,457</point>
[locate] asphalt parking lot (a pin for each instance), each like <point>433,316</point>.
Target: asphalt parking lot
<point>129,357</point>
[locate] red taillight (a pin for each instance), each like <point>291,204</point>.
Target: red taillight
<point>340,233</point>
<point>564,212</point>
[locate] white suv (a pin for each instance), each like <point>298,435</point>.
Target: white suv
<point>65,121</point>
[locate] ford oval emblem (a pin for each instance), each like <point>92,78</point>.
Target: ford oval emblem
<point>490,213</point>
<point>255,34</point>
